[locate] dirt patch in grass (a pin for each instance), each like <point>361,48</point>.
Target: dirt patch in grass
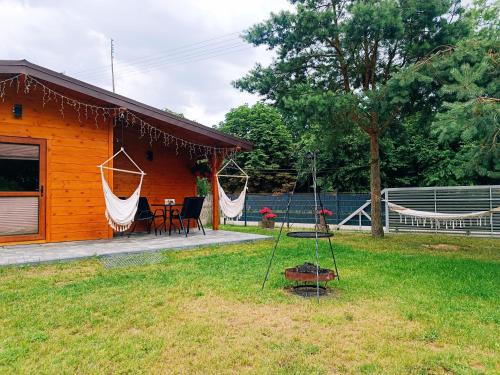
<point>443,247</point>
<point>216,335</point>
<point>331,292</point>
<point>301,337</point>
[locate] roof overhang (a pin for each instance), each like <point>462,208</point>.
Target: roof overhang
<point>175,123</point>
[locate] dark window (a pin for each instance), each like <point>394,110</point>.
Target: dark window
<point>19,167</point>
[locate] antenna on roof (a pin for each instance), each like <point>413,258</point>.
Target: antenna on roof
<point>112,64</point>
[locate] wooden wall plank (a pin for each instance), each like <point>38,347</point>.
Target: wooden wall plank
<point>65,202</point>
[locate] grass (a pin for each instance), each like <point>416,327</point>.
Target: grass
<point>406,304</point>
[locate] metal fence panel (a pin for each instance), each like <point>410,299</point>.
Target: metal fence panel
<point>302,206</point>
<point>459,199</point>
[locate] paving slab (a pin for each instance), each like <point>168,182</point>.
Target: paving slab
<point>65,251</point>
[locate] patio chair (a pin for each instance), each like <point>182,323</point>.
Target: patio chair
<point>191,209</point>
<point>145,215</point>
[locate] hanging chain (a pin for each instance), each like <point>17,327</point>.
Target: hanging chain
<point>313,167</point>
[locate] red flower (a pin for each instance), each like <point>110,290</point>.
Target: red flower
<point>265,210</point>
<point>325,212</point>
<point>270,216</point>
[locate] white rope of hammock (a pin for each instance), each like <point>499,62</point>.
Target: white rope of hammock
<point>120,213</point>
<point>439,219</point>
<point>232,209</point>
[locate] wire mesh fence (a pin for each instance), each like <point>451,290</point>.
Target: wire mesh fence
<point>302,206</point>
<point>131,259</point>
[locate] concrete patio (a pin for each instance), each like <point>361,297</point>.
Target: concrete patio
<point>65,251</point>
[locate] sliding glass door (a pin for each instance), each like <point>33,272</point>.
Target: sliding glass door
<point>22,184</point>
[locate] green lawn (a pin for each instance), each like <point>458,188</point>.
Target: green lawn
<point>416,304</point>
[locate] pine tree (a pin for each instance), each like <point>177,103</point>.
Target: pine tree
<point>334,59</point>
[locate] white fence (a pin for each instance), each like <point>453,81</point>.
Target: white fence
<point>447,199</point>
<point>456,200</point>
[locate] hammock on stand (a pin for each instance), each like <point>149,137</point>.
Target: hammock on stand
<point>437,219</point>
<point>120,213</point>
<point>232,209</point>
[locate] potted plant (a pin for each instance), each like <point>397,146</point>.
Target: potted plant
<point>268,218</point>
<point>201,169</point>
<point>323,213</point>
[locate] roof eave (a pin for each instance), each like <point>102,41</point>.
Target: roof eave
<point>26,67</point>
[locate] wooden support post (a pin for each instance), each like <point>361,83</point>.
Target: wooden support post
<point>110,175</point>
<point>215,165</point>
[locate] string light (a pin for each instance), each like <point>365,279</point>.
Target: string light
<point>129,118</point>
<point>8,82</point>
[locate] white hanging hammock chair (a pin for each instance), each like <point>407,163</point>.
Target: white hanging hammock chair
<point>438,219</point>
<point>232,209</point>
<point>120,213</point>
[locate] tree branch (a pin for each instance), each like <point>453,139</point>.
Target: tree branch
<point>389,119</point>
<point>343,66</point>
<point>392,55</point>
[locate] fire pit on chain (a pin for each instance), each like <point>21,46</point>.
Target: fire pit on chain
<point>309,273</point>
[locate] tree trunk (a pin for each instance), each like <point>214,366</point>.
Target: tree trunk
<point>376,210</point>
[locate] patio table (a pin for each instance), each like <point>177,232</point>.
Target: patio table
<point>170,209</point>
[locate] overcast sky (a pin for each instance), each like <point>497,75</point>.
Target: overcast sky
<point>168,53</point>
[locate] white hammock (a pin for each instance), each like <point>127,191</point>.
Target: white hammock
<point>232,209</point>
<point>120,213</point>
<point>438,219</point>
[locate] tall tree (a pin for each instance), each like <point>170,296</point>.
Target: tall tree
<point>463,85</point>
<point>469,118</point>
<point>262,125</point>
<point>335,57</point>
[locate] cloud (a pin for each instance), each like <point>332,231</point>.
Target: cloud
<point>177,54</point>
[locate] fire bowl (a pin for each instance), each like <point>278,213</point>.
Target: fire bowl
<point>307,273</point>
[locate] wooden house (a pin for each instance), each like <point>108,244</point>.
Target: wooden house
<point>56,130</point>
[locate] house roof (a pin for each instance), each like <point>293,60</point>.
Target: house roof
<point>173,122</point>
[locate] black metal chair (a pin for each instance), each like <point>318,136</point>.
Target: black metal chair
<point>144,214</point>
<point>191,209</point>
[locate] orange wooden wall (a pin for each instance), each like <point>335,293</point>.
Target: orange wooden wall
<point>74,199</point>
<point>167,176</point>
